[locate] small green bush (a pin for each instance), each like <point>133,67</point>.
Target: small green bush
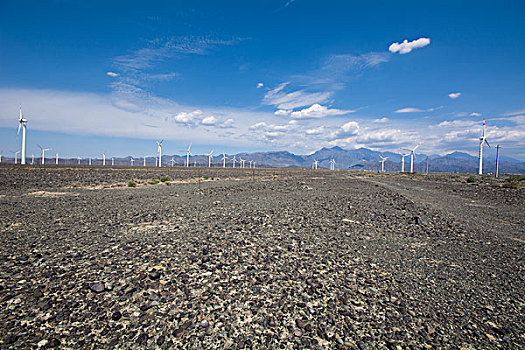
<point>513,185</point>
<point>472,179</point>
<point>165,179</point>
<point>132,184</point>
<point>153,181</point>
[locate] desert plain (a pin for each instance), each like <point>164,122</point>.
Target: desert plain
<point>99,258</point>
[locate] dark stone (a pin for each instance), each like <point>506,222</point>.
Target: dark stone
<point>116,315</point>
<point>142,338</point>
<point>53,343</point>
<point>154,275</point>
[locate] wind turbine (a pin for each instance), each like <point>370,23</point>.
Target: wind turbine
<point>103,159</point>
<point>16,156</point>
<point>242,162</point>
<point>188,153</point>
<point>112,161</point>
<point>233,161</point>
<point>251,162</point>
<point>224,160</point>
<point>22,124</point>
<point>412,156</point>
<point>89,163</point>
<point>159,152</point>
<point>210,158</point>
<point>144,161</point>
<point>172,162</point>
<point>0,157</point>
<point>332,164</point>
<point>383,163</point>
<point>44,153</point>
<point>56,158</point>
<point>32,159</point>
<point>482,140</point>
<point>314,165</point>
<point>254,165</point>
<point>403,162</point>
<point>79,159</point>
<point>131,161</point>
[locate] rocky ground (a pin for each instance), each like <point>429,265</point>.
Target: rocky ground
<point>260,259</point>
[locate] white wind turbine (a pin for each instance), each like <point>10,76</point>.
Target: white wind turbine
<point>0,157</point>
<point>233,161</point>
<point>242,162</point>
<point>412,156</point>
<point>224,160</point>
<point>144,161</point>
<point>172,162</point>
<point>79,159</point>
<point>482,139</point>
<point>32,159</point>
<point>210,158</point>
<point>89,162</point>
<point>56,159</point>
<point>254,164</point>
<point>314,165</point>
<point>22,124</point>
<point>44,153</point>
<point>403,162</point>
<point>332,164</point>
<point>383,163</point>
<point>112,161</point>
<point>16,156</point>
<point>131,161</point>
<point>159,152</point>
<point>188,153</point>
<point>251,162</point>
<point>104,158</point>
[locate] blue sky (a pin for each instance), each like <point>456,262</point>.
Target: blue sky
<point>236,76</point>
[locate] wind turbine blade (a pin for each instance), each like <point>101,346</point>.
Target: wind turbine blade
<point>487,143</point>
<point>416,147</point>
<point>407,149</point>
<point>19,126</point>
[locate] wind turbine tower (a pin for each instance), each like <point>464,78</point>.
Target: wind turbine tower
<point>210,158</point>
<point>233,161</point>
<point>403,162</point>
<point>56,159</point>
<point>188,156</point>
<point>103,159</point>
<point>22,124</point>
<point>44,153</point>
<point>383,163</point>
<point>16,156</point>
<point>32,159</point>
<point>412,156</point>
<point>224,160</point>
<point>332,164</point>
<point>159,152</point>
<point>482,139</point>
<point>131,161</point>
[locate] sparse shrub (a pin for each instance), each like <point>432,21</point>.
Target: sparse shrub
<point>165,179</point>
<point>206,178</point>
<point>153,181</point>
<point>132,184</point>
<point>472,180</point>
<point>516,178</point>
<point>514,185</point>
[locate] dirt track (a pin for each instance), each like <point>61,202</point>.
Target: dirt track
<point>298,259</point>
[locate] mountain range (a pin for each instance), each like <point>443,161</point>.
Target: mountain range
<point>357,159</point>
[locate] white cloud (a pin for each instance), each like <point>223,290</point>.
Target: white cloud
<point>454,95</point>
<point>282,112</point>
<point>209,120</point>
<point>315,131</point>
<point>228,123</point>
<point>407,46</point>
<point>474,114</point>
<point>381,120</point>
<point>259,85</point>
<point>112,74</point>
<point>457,123</point>
<point>318,111</point>
<point>290,100</point>
<point>409,110</point>
<point>187,117</point>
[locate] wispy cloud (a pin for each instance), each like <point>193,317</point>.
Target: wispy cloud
<point>454,95</point>
<point>259,85</point>
<point>112,74</point>
<point>294,99</point>
<point>381,120</point>
<point>407,46</point>
<point>475,114</point>
<point>417,110</point>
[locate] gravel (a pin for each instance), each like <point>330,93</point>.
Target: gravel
<point>258,259</point>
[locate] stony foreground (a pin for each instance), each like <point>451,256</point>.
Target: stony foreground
<point>259,259</point>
